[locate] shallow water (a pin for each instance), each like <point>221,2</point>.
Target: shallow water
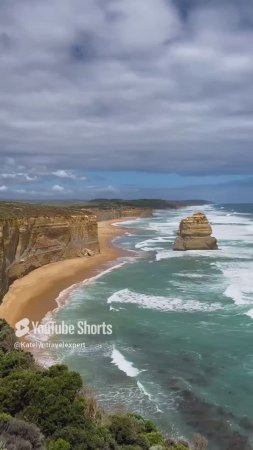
<point>181,348</point>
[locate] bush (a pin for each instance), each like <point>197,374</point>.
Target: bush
<point>4,418</point>
<point>17,434</point>
<point>155,438</point>
<point>90,437</point>
<point>59,444</point>
<point>143,441</point>
<point>125,429</point>
<point>47,398</point>
<point>16,391</point>
<point>150,426</point>
<point>74,435</point>
<point>14,360</point>
<point>7,337</point>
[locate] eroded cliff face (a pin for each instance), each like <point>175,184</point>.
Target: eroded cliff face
<point>195,234</point>
<point>27,243</point>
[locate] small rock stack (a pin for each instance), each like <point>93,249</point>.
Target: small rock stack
<point>195,233</point>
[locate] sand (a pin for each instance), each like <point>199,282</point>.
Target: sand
<point>35,294</point>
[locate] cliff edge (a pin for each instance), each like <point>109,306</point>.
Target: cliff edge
<point>195,233</point>
<point>42,237</point>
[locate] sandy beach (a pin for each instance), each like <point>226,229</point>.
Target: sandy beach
<point>34,295</point>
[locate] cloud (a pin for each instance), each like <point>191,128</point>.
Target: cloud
<point>15,175</point>
<point>148,85</point>
<point>28,177</point>
<point>20,191</point>
<point>57,188</point>
<point>3,188</point>
<point>8,175</point>
<point>64,174</point>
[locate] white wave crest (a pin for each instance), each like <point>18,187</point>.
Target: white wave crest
<point>125,366</point>
<point>160,303</point>
<point>240,282</point>
<point>250,313</point>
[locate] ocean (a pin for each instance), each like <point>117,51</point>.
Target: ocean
<point>181,351</point>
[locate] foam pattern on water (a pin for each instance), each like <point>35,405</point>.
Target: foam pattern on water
<point>160,302</point>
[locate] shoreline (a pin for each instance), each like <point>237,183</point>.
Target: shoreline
<point>35,295</point>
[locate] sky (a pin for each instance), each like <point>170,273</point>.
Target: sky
<point>126,98</point>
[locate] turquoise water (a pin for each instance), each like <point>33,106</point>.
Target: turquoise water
<point>181,351</point>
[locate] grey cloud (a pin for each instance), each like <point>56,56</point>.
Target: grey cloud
<point>18,176</point>
<point>58,188</point>
<point>127,84</point>
<point>60,173</point>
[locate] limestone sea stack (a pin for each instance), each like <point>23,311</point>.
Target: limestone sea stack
<point>195,233</point>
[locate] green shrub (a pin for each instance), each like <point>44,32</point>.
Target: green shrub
<point>125,429</point>
<point>7,337</point>
<point>4,418</point>
<point>150,426</point>
<point>143,441</point>
<point>89,437</point>
<point>14,360</point>
<point>16,391</point>
<point>59,444</point>
<point>71,434</point>
<point>155,438</point>
<point>47,398</point>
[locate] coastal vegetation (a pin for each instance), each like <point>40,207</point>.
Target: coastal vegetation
<point>51,409</point>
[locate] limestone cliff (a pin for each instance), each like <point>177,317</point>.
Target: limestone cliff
<point>27,243</point>
<point>32,235</point>
<point>195,234</point>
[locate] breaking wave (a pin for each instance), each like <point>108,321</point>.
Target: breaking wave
<point>161,303</point>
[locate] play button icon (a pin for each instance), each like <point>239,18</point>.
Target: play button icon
<point>22,327</point>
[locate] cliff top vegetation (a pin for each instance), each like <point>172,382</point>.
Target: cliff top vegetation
<point>11,209</point>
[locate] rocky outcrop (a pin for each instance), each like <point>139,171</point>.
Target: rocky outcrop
<point>27,243</point>
<point>195,234</point>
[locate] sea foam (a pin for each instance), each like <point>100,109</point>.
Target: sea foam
<point>160,303</point>
<point>240,282</point>
<point>123,364</point>
<point>250,313</point>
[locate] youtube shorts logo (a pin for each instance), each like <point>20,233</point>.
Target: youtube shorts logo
<point>22,327</point>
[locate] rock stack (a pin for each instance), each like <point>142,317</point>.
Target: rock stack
<point>195,233</point>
